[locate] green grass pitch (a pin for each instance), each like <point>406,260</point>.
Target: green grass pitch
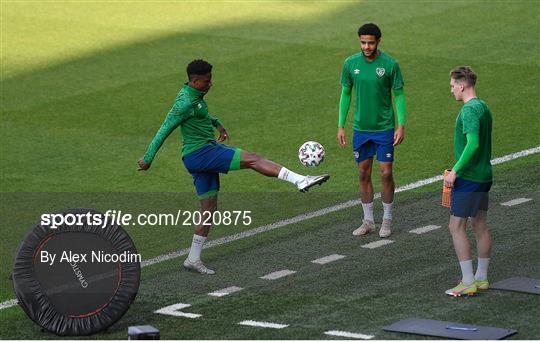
<point>85,85</point>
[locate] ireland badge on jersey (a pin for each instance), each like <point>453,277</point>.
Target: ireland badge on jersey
<point>380,72</point>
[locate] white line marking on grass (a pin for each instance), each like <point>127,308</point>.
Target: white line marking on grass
<point>8,303</point>
<point>328,259</point>
<point>348,334</point>
<point>263,324</point>
<point>425,229</point>
<point>277,274</point>
<point>225,291</point>
<point>515,155</point>
<point>303,217</point>
<point>320,212</point>
<point>174,310</point>
<point>377,244</point>
<point>516,201</point>
<point>258,230</point>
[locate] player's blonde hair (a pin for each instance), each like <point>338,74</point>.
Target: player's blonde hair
<point>464,73</point>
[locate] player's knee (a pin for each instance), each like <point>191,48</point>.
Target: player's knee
<point>364,174</point>
<point>479,227</point>
<point>254,157</point>
<point>211,207</point>
<point>453,229</point>
<point>249,159</point>
<point>386,175</point>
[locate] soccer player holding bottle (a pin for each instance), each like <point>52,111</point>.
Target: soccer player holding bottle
<point>470,180</point>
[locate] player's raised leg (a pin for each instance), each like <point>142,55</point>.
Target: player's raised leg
<point>193,261</point>
<point>250,160</point>
<point>365,168</point>
<point>483,247</point>
<point>387,196</point>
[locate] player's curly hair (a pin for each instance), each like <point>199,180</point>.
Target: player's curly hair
<point>198,67</point>
<point>370,29</point>
<point>464,73</point>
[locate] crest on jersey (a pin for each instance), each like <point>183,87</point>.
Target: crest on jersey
<point>380,72</point>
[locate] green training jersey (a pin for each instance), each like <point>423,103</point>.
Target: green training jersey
<point>372,82</point>
<point>189,111</point>
<point>474,117</point>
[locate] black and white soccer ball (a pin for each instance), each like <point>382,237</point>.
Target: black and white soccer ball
<point>311,153</point>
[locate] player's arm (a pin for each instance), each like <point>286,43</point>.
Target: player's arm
<point>344,104</point>
<point>473,142</point>
<point>399,134</point>
<point>471,129</point>
<point>223,134</point>
<point>399,97</point>
<point>173,120</point>
<point>468,153</point>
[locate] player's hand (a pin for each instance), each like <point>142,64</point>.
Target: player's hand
<point>223,135</point>
<point>341,137</point>
<point>142,165</point>
<point>450,179</point>
<point>399,135</point>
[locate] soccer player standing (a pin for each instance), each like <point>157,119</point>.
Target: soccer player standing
<point>373,75</point>
<point>470,180</point>
<point>205,158</point>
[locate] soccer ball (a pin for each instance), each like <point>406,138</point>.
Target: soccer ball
<point>311,153</point>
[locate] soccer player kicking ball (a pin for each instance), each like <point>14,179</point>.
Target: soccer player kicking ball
<point>205,158</point>
<point>470,180</point>
<point>373,75</point>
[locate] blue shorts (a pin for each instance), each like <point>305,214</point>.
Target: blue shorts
<point>468,197</point>
<point>206,163</point>
<point>366,144</point>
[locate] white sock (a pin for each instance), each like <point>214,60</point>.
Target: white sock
<point>196,247</point>
<point>466,272</point>
<point>481,271</point>
<point>387,207</point>
<point>368,211</point>
<point>289,176</point>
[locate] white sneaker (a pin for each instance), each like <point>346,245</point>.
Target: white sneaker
<point>197,266</point>
<point>385,230</point>
<point>310,181</point>
<point>366,228</point>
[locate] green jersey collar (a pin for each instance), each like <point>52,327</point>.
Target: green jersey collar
<point>378,54</point>
<point>196,94</point>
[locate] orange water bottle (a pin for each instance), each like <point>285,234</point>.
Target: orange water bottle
<point>446,193</point>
